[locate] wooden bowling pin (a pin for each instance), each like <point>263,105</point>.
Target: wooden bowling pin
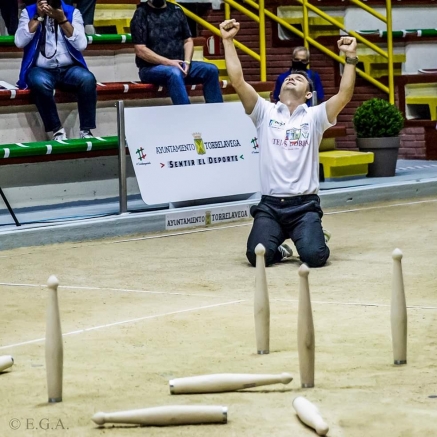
<point>6,361</point>
<point>398,311</point>
<point>309,414</point>
<point>54,348</point>
<point>224,382</point>
<point>261,303</point>
<point>166,416</point>
<point>305,330</point>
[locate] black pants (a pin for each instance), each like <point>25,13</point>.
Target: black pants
<point>298,218</point>
<point>9,12</point>
<point>86,8</point>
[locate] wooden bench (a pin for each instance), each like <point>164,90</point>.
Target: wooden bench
<point>124,91</point>
<point>337,163</point>
<point>424,94</point>
<point>116,15</point>
<point>376,65</point>
<point>318,26</point>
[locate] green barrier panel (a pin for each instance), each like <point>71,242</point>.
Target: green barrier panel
<point>20,150</point>
<point>427,32</point>
<point>109,39</point>
<point>92,39</point>
<point>383,33</point>
<point>400,33</point>
<point>7,41</point>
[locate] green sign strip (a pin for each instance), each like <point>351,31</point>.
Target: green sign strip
<point>20,150</point>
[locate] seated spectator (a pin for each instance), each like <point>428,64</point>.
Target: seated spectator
<point>53,38</point>
<point>300,61</point>
<point>164,48</point>
<point>87,9</point>
<point>9,12</point>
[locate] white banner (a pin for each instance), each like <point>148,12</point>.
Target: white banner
<point>206,217</point>
<point>189,152</point>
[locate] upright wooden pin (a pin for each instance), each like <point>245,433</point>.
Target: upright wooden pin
<point>166,416</point>
<point>54,348</point>
<point>398,311</point>
<point>305,330</point>
<point>223,382</point>
<point>261,303</point>
<point>309,414</point>
<point>6,361</point>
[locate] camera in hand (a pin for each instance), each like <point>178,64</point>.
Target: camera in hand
<point>55,4</point>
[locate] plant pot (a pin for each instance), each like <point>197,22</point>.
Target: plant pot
<point>385,152</point>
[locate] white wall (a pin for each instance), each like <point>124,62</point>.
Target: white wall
<point>404,17</point>
<point>419,55</point>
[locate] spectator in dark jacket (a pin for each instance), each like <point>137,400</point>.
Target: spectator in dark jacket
<point>299,62</point>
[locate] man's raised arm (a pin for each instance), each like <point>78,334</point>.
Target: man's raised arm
<point>336,103</point>
<point>247,94</point>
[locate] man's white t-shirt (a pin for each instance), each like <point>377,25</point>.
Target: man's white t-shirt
<point>289,147</point>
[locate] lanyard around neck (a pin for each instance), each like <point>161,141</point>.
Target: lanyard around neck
<point>42,45</point>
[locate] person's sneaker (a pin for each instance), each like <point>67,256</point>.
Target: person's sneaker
<point>60,135</point>
<point>285,251</point>
<point>89,29</point>
<point>327,235</point>
<point>84,134</point>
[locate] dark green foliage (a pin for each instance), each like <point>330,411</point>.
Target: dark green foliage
<point>378,118</point>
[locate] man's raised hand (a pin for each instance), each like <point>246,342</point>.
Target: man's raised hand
<point>348,45</point>
<point>229,28</point>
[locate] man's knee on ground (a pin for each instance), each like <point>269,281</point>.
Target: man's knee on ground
<point>268,257</point>
<point>315,258</point>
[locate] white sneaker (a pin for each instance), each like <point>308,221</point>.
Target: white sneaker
<point>60,135</point>
<point>285,251</point>
<point>84,134</point>
<point>327,235</point>
<point>90,29</point>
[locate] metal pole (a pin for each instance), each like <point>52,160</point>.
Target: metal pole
<point>262,42</point>
<point>121,157</point>
<point>391,82</point>
<point>17,223</point>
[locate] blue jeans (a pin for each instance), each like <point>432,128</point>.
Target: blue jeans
<point>173,79</point>
<point>77,79</point>
<point>298,218</point>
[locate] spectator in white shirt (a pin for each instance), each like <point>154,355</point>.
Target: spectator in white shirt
<point>289,135</point>
<point>53,37</point>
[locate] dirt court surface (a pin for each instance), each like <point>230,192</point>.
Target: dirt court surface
<point>138,313</point>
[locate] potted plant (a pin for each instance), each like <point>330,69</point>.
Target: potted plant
<point>378,124</point>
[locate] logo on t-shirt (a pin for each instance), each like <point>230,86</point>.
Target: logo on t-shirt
<point>276,124</point>
<point>292,134</point>
<point>295,138</point>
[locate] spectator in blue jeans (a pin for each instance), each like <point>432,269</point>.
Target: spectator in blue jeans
<point>53,40</point>
<point>164,48</point>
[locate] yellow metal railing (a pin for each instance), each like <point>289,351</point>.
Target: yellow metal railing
<point>388,55</point>
<point>306,6</point>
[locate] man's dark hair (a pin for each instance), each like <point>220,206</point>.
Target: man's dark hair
<point>305,75</point>
<point>55,4</point>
